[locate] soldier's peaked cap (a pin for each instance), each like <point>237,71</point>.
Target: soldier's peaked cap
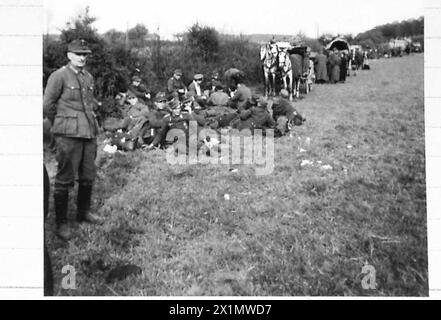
<point>78,46</point>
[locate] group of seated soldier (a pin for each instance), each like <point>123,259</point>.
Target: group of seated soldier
<point>147,124</point>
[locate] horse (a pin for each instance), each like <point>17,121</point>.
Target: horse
<point>297,72</point>
<point>356,60</point>
<point>269,55</point>
<point>285,68</point>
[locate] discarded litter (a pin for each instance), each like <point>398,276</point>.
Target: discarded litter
<point>306,163</point>
<point>302,150</point>
<point>110,149</point>
<point>234,170</point>
<point>326,167</point>
<point>227,197</point>
<point>308,141</point>
<point>349,146</point>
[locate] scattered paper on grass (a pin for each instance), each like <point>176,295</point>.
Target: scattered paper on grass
<point>349,146</point>
<point>306,163</point>
<point>110,149</point>
<point>234,170</point>
<point>326,167</point>
<point>308,141</point>
<point>302,150</point>
<point>227,197</point>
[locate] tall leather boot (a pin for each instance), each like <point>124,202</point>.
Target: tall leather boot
<point>61,198</point>
<point>83,205</point>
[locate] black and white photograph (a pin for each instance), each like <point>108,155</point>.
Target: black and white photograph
<point>234,149</point>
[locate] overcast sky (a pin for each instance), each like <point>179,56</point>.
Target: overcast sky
<point>236,16</point>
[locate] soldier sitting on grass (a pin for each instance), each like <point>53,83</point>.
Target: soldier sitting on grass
<point>256,117</point>
<point>153,132</point>
<point>285,115</point>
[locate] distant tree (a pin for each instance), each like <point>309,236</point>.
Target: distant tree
<point>385,33</point>
<point>54,56</point>
<point>349,38</point>
<point>299,38</point>
<point>114,37</point>
<point>80,27</point>
<point>138,36</point>
<point>203,40</point>
<point>326,38</point>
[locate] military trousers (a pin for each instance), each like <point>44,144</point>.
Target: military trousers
<point>76,159</point>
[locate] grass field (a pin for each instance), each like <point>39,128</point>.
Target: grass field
<point>301,230</point>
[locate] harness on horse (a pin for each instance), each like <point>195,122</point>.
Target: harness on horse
<point>269,56</point>
<point>285,65</point>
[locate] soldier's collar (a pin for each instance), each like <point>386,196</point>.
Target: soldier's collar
<point>75,70</point>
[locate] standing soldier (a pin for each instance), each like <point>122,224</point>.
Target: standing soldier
<point>69,105</point>
<point>334,66</point>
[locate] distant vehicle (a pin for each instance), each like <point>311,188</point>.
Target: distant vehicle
<point>416,47</point>
<point>339,43</point>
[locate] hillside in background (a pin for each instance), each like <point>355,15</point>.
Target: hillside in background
<point>412,28</point>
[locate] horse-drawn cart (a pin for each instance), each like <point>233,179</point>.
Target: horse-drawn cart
<point>301,68</point>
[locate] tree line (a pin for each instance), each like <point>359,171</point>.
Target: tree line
<point>378,36</point>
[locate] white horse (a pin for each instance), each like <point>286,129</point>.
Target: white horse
<point>269,58</point>
<point>285,68</point>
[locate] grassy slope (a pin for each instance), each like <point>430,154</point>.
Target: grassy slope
<point>298,231</point>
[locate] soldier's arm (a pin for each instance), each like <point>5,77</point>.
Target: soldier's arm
<point>52,93</point>
<point>170,85</point>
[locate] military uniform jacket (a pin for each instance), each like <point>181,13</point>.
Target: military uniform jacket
<point>69,103</point>
<point>282,107</point>
<point>218,98</point>
<point>136,111</point>
<point>174,85</point>
<point>241,97</point>
<point>256,118</point>
<point>180,122</point>
<point>157,118</point>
